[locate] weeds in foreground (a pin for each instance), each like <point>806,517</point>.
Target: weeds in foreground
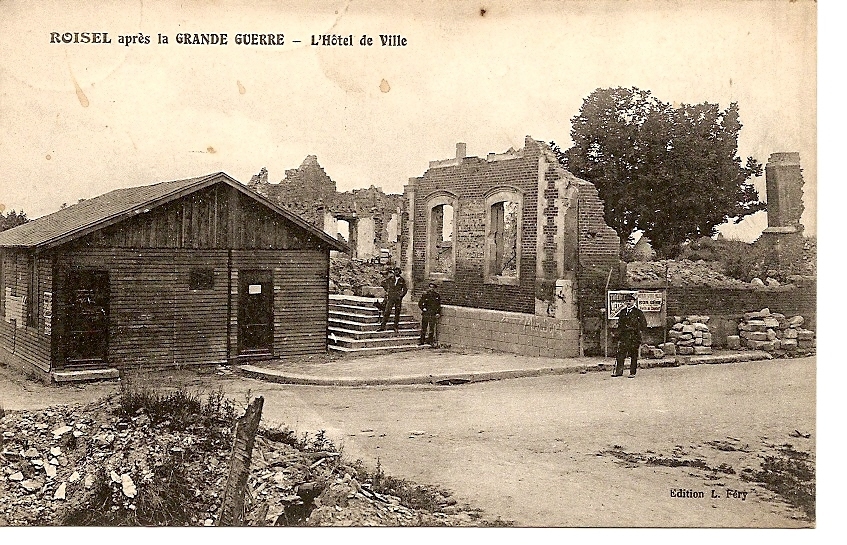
<point>164,501</point>
<point>790,476</point>
<point>412,495</point>
<point>177,409</point>
<point>305,442</point>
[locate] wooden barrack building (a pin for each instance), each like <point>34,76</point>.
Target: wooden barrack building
<point>185,272</point>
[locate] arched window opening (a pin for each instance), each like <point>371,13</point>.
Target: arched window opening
<point>503,236</point>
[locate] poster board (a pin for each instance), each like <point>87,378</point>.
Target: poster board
<point>651,302</point>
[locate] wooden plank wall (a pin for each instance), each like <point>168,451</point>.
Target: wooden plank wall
<point>301,294</point>
<point>218,217</point>
<point>154,318</point>
<point>28,342</point>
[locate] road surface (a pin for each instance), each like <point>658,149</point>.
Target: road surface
<point>568,450</point>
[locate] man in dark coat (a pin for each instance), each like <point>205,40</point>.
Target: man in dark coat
<point>631,322</point>
<point>430,305</point>
<point>395,290</point>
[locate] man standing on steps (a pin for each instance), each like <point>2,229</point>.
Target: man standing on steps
<point>631,322</point>
<point>395,290</point>
<point>430,305</point>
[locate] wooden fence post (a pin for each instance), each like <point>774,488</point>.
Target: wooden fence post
<point>232,504</point>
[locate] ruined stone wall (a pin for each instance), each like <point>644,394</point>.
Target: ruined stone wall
<point>733,303</point>
<point>566,249</point>
<point>309,192</point>
<point>523,334</point>
<point>599,247</point>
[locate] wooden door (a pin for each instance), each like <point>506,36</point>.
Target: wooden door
<point>87,317</point>
<point>255,312</point>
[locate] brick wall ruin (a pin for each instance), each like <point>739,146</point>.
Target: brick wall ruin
<point>372,215</point>
<point>527,237</point>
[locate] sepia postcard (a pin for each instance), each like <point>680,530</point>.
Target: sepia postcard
<point>501,264</point>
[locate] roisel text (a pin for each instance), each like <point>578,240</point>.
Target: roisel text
<point>80,38</point>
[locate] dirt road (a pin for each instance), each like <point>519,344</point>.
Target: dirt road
<point>577,450</point>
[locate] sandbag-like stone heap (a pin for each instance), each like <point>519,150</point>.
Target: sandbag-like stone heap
<point>773,332</point>
<point>690,335</point>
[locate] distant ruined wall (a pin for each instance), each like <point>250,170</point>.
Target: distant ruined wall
<point>309,192</point>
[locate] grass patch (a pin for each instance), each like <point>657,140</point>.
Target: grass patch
<point>178,409</point>
<point>635,459</point>
<point>789,475</point>
<point>428,498</point>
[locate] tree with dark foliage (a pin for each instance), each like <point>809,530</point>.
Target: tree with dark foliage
<point>12,219</point>
<point>672,172</point>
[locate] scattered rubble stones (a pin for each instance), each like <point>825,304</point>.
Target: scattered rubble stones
<point>679,273</point>
<point>288,485</point>
<point>775,333</point>
<point>354,277</point>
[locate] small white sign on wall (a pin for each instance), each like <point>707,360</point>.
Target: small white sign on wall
<point>47,312</point>
<point>254,289</point>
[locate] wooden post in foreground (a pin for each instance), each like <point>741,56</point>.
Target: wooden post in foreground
<point>232,504</point>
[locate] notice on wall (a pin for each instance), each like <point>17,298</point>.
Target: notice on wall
<point>47,312</point>
<point>651,303</point>
<point>15,306</point>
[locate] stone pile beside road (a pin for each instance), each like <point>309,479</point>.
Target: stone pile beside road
<point>690,335</point>
<point>773,332</point>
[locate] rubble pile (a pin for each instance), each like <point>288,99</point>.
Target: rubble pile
<point>348,276</point>
<point>773,332</point>
<point>690,335</point>
<point>94,465</point>
<point>291,487</point>
<point>54,461</point>
<point>680,273</point>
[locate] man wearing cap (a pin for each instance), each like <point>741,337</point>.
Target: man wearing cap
<point>430,305</point>
<point>631,322</point>
<point>395,290</point>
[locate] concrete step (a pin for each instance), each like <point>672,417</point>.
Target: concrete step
<point>365,318</point>
<point>387,342</point>
<point>357,309</point>
<point>84,375</point>
<point>412,330</point>
<point>353,300</point>
<point>354,325</point>
<point>374,351</point>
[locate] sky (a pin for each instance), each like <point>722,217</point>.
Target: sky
<point>78,120</point>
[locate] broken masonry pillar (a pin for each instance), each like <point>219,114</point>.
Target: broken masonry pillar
<point>783,238</point>
<point>784,180</point>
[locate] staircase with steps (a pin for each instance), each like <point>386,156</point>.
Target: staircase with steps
<point>354,328</point>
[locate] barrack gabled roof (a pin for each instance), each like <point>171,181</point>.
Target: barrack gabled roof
<point>96,213</point>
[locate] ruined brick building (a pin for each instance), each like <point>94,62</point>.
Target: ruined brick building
<point>372,216</point>
<point>518,246</point>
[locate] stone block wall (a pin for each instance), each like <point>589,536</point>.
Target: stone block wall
<point>726,306</point>
<point>518,333</point>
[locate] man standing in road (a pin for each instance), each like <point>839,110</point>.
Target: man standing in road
<point>631,322</point>
<point>395,290</point>
<point>430,305</point>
